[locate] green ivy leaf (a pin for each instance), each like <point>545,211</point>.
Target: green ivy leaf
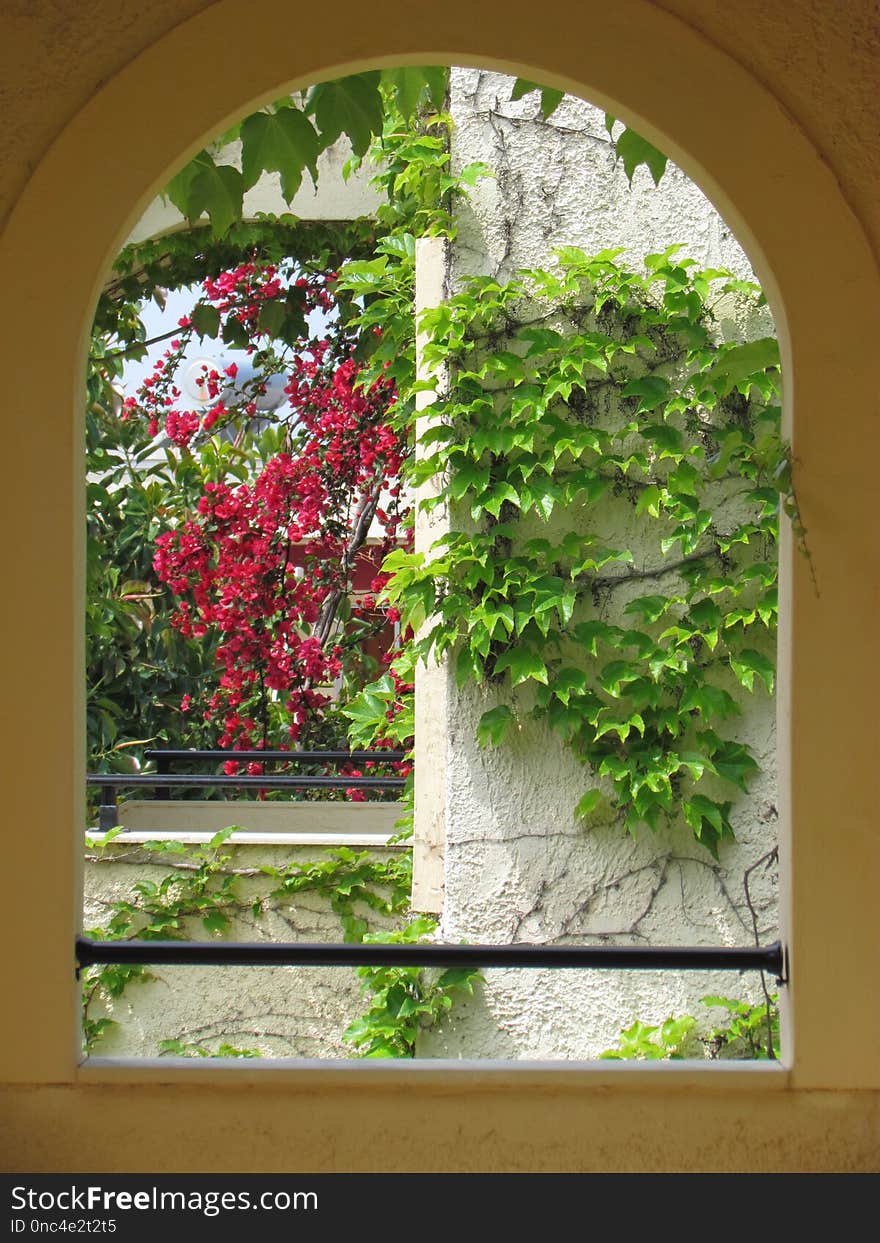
<point>738,363</point>
<point>408,85</point>
<point>282,142</point>
<point>709,821</point>
<point>748,663</point>
<point>494,726</point>
<point>550,97</point>
<point>734,763</point>
<point>652,389</point>
<point>587,804</point>
<point>351,106</point>
<point>635,150</point>
<point>667,439</point>
<point>215,921</point>
<point>523,664</point>
<point>178,188</point>
<point>206,319</point>
<point>649,608</point>
<point>460,979</point>
<point>710,701</point>
<point>649,501</point>
<point>218,190</point>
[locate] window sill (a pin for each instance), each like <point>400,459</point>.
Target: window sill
<point>699,1076</point>
<point>257,824</point>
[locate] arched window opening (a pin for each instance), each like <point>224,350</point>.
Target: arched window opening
<point>585,601</point>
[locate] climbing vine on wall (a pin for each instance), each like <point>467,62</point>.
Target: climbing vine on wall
<point>614,474</point>
<point>202,892</point>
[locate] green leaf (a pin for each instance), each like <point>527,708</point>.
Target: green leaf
<point>494,726</point>
<point>215,921</point>
<point>735,764</point>
<point>705,614</point>
<point>652,389</point>
<point>708,820</point>
<point>218,190</point>
<point>178,188</point>
<point>436,81</point>
<point>649,501</point>
<point>748,663</point>
<point>282,142</point>
<point>709,701</point>
<point>462,979</point>
<point>206,319</point>
<point>634,150</point>
<point>566,681</point>
<point>351,106</point>
<point>468,667</point>
<point>272,315</point>
<point>523,664</point>
<point>738,363</point>
<point>668,440</point>
<point>649,608</point>
<point>408,85</point>
<point>550,97</point>
<point>588,803</point>
<point>467,477</point>
<point>234,332</point>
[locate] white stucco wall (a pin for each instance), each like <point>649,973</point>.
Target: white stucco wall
<point>517,865</point>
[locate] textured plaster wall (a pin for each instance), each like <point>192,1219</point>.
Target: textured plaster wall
<point>518,866</point>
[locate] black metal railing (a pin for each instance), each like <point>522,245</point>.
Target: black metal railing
<point>163,781</point>
<point>768,958</point>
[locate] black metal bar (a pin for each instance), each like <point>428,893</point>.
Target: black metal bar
<point>108,814</point>
<point>163,765</point>
<point>768,958</point>
<point>260,781</point>
<point>293,757</point>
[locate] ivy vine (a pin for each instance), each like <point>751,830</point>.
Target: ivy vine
<point>204,883</point>
<point>614,474</point>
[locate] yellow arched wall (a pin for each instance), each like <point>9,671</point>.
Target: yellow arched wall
<point>86,166</point>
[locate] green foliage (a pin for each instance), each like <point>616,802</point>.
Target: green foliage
<point>653,1042</point>
<point>630,147</point>
<point>634,150</point>
<point>751,1032</point>
<point>404,1000</point>
<point>202,884</point>
<point>345,878</point>
<point>137,664</point>
<point>288,137</point>
<point>550,97</point>
<point>570,397</point>
<point>192,1048</point>
<point>569,391</point>
<point>282,141</point>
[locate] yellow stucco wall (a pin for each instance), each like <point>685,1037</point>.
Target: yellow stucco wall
<point>773,109</point>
